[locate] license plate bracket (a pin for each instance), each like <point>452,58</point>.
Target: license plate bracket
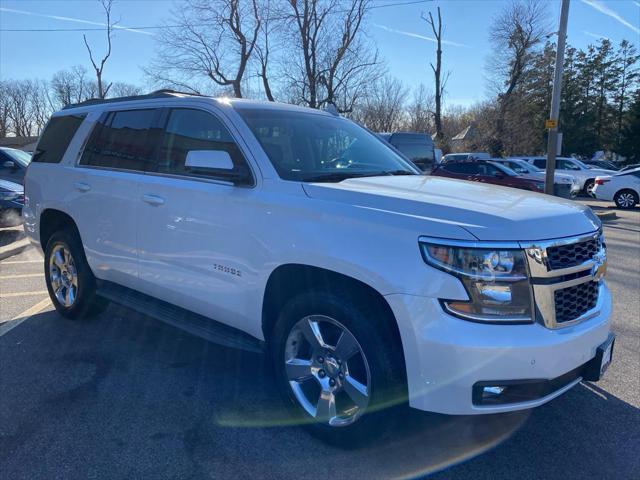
<point>595,368</point>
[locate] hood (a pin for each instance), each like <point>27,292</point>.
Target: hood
<point>488,212</point>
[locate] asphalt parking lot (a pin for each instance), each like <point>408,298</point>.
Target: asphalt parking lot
<point>125,396</point>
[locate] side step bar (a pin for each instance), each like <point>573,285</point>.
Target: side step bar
<point>190,322</point>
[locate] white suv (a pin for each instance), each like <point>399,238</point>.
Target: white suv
<point>584,174</point>
<point>278,228</point>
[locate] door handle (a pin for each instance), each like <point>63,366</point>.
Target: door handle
<point>83,187</point>
<point>153,199</point>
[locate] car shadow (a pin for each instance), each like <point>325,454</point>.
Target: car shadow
<point>10,235</point>
<point>123,396</point>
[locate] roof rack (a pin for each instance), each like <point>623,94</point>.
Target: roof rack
<point>164,93</point>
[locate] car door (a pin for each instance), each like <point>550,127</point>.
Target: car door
<point>107,183</point>
<point>192,231</point>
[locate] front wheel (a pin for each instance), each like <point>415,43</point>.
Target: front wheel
<point>342,376</point>
<point>625,199</point>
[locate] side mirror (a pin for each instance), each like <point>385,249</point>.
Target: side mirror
<point>209,159</point>
<point>9,164</point>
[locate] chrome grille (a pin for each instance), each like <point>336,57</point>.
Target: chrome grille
<point>566,278</point>
<point>565,256</point>
<point>573,302</point>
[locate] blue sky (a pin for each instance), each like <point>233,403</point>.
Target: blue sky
<point>396,31</point>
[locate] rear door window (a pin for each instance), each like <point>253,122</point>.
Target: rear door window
<point>56,138</point>
<point>540,162</point>
<point>188,130</point>
<point>125,140</point>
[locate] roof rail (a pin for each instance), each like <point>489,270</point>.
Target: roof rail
<point>164,93</point>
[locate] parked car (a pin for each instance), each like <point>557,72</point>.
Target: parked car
<point>586,176</point>
<point>417,147</point>
<point>601,164</point>
<point>565,185</point>
<point>11,203</point>
<point>456,157</point>
<point>623,188</point>
<point>296,232</point>
<point>487,172</point>
<point>13,164</point>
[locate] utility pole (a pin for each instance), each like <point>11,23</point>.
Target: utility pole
<point>552,123</point>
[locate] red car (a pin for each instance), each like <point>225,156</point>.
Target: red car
<point>487,172</point>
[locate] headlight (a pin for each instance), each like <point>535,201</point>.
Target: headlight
<point>495,279</point>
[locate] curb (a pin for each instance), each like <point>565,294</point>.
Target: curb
<point>604,216</point>
<point>14,248</point>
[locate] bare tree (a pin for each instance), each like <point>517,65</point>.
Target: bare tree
<point>71,86</point>
<point>99,66</point>
<point>214,39</point>
<point>24,107</point>
<point>4,108</point>
<point>420,110</point>
<point>122,89</point>
<point>381,109</point>
<point>332,63</point>
<point>270,23</point>
<point>515,35</point>
<point>437,71</point>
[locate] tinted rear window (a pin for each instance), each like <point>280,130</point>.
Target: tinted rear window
<point>56,138</point>
<point>468,168</point>
<point>540,162</point>
<point>126,140</point>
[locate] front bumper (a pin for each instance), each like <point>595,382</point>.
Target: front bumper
<point>446,356</point>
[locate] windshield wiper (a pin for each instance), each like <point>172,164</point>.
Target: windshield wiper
<point>339,176</point>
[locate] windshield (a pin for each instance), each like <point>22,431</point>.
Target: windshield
<point>309,147</point>
<point>520,166</point>
<point>23,158</point>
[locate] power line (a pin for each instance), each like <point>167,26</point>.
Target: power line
<point>154,27</point>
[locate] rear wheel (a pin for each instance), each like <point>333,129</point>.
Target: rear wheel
<point>589,186</point>
<point>70,282</point>
<point>340,377</point>
<point>626,199</point>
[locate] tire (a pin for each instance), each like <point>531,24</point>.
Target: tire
<point>378,366</point>
<point>588,187</point>
<point>66,270</point>
<point>626,199</point>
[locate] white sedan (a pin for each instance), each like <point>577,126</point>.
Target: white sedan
<point>623,189</point>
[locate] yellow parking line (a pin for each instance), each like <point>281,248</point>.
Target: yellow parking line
<point>23,294</point>
<point>22,275</point>
<point>23,317</point>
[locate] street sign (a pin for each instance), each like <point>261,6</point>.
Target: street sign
<point>549,124</point>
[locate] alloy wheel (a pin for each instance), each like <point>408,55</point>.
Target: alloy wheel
<point>327,370</point>
<point>63,276</point>
<point>625,200</point>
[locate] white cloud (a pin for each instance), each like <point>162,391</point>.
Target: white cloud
<point>602,8</point>
<point>75,20</point>
<point>594,35</point>
<point>416,35</point>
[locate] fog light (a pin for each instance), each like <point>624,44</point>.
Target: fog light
<point>490,392</point>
